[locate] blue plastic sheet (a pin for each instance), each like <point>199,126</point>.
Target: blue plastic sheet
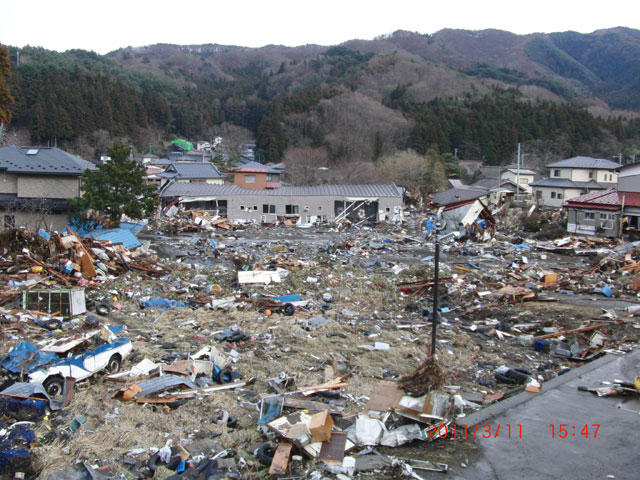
<point>522,246</point>
<point>18,358</point>
<point>162,303</point>
<point>273,411</point>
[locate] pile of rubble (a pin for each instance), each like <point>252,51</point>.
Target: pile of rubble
<point>272,350</point>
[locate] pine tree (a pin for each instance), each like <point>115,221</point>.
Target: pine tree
<point>116,188</point>
<point>6,100</point>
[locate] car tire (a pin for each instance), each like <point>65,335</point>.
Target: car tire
<point>288,309</point>
<point>54,386</point>
<point>114,363</point>
<point>265,454</point>
<point>103,309</point>
<point>53,324</point>
<point>225,375</point>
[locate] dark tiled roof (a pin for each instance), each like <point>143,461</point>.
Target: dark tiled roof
<point>458,195</point>
<point>41,160</point>
<point>192,170</point>
<point>566,183</point>
<point>255,167</point>
<point>586,162</point>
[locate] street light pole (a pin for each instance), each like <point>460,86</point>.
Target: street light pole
<point>434,316</point>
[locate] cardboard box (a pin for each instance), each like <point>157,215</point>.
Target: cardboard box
<point>551,278</point>
<point>321,426</point>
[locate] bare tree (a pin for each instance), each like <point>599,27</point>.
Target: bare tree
<point>306,165</point>
<point>417,173</point>
<point>233,137</point>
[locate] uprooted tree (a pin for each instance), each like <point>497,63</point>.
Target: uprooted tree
<point>117,187</point>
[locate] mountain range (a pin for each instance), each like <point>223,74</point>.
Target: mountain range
<point>561,93</point>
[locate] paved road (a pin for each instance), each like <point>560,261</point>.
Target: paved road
<point>612,453</point>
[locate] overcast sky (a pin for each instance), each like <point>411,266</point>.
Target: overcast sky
<point>112,24</point>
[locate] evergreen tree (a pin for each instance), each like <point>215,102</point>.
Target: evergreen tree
<point>6,100</point>
<point>116,188</point>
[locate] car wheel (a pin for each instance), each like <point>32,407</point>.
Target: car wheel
<point>113,366</point>
<point>54,386</point>
<point>225,375</point>
<point>288,309</point>
<point>265,454</point>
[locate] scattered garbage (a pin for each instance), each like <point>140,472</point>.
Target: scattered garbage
<point>217,350</point>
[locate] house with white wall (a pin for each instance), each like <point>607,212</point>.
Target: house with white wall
<point>573,177</point>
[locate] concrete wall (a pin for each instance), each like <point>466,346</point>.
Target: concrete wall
<point>34,220</point>
<point>606,176</point>
<point>8,183</point>
<point>630,183</point>
<point>564,173</point>
<point>603,223</point>
<point>36,186</point>
<point>250,208</point>
<point>547,192</point>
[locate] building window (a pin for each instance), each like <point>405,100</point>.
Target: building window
<point>269,177</point>
<point>9,221</point>
<point>249,179</point>
<point>590,174</point>
<point>553,194</point>
<point>589,216</point>
<point>268,208</point>
<point>291,209</point>
<point>242,208</point>
<point>559,196</point>
<point>319,208</point>
<point>524,180</point>
<point>556,173</point>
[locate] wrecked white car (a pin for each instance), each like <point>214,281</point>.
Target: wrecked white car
<point>100,350</point>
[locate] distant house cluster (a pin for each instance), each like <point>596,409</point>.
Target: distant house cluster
<point>601,197</point>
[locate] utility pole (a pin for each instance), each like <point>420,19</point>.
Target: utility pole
<point>434,316</point>
<point>518,176</point>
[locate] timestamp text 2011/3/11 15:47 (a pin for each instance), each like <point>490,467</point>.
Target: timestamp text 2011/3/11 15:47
<point>506,430</point>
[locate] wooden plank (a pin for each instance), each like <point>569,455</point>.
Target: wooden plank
<point>576,330</point>
<point>385,398</point>
<point>69,384</point>
<point>280,461</point>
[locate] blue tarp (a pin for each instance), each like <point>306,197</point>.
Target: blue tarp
<point>18,358</point>
<point>162,303</point>
<point>125,234</point>
<point>294,297</point>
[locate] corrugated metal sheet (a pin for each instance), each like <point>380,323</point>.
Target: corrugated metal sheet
<point>123,236</point>
<point>163,383</point>
<point>203,189</point>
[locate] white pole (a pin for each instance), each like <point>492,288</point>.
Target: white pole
<point>518,175</point>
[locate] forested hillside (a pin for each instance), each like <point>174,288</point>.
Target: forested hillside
<point>475,93</point>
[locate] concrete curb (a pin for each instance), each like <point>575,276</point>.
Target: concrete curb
<point>496,409</point>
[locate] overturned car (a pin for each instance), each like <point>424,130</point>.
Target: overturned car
<point>93,352</point>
